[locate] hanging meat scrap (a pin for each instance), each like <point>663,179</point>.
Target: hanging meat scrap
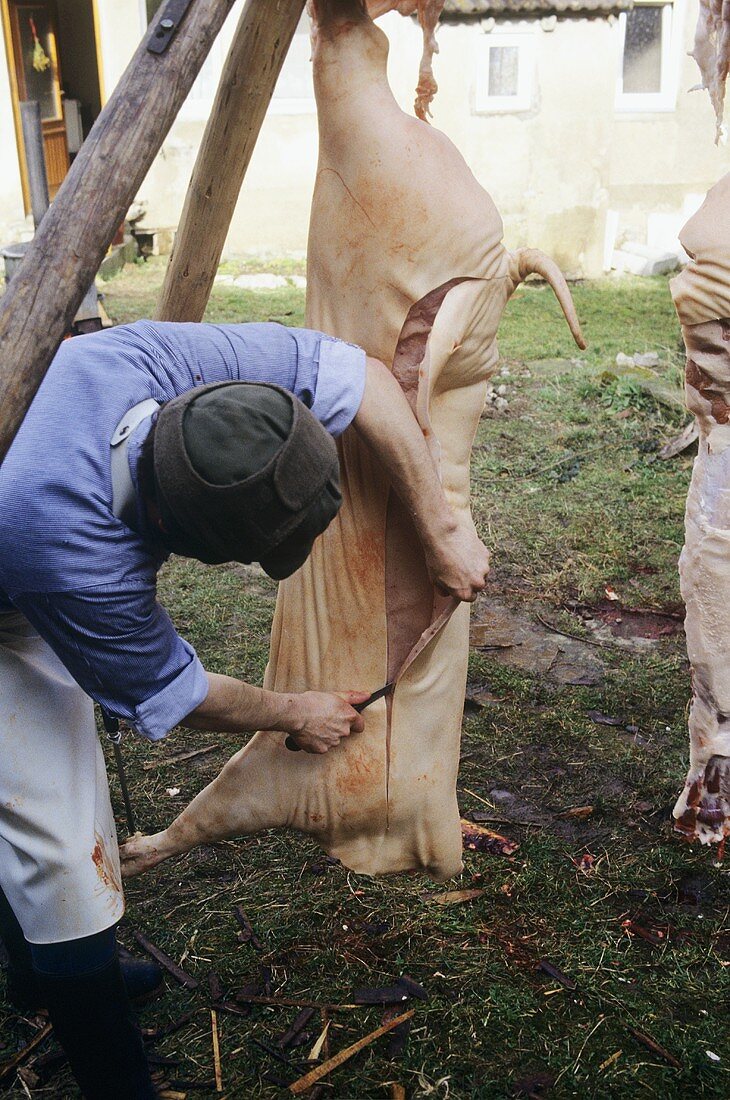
<point>428,12</point>
<point>406,260</point>
<point>712,54</point>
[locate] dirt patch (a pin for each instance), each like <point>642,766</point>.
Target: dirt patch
<point>629,623</point>
<point>516,638</point>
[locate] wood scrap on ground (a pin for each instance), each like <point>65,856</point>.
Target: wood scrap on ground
<point>342,1056</point>
<point>19,1058</point>
<point>316,1050</point>
<point>654,1047</point>
<point>478,839</point>
<point>403,988</point>
<point>216,1050</point>
<point>558,975</point>
<point>181,976</point>
<point>292,1037</point>
<point>247,934</point>
<point>178,757</point>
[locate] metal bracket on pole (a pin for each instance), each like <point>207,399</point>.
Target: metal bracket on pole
<point>114,735</point>
<point>167,25</point>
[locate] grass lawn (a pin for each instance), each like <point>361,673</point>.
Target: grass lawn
<point>570,495</point>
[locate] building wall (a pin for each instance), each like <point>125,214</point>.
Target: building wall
<point>569,173</point>
<point>13,225</point>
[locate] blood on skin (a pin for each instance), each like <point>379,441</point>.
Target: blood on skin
<point>704,384</point>
<point>106,874</point>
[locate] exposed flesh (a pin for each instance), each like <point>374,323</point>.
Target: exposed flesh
<point>702,297</point>
<point>405,259</point>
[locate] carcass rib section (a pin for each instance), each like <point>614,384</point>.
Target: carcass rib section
<point>702,298</point>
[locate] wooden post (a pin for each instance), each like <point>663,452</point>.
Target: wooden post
<point>45,293</point>
<point>247,84</point>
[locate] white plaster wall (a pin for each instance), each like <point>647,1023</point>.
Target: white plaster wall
<point>120,31</point>
<point>272,213</point>
<point>13,225</point>
<point>556,170</point>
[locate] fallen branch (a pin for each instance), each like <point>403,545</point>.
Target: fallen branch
<point>178,757</point>
<point>216,1051</point>
<point>654,1047</point>
<point>19,1058</point>
<point>288,1002</point>
<point>319,1072</point>
<point>166,962</point>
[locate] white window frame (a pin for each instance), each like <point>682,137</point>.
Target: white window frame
<point>525,41</point>
<point>666,98</point>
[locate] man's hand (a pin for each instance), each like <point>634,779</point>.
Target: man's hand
<point>315,720</point>
<point>326,718</point>
<point>458,563</point>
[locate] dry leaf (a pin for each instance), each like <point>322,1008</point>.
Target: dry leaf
<point>454,897</point>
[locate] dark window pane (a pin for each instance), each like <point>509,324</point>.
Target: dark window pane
<point>153,7</point>
<point>643,50</point>
<point>503,70</point>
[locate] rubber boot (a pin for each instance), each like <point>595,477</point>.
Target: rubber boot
<point>22,989</point>
<point>92,1020</point>
<point>142,978</point>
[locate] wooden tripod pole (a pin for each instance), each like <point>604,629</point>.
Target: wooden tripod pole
<point>43,296</point>
<point>254,62</point>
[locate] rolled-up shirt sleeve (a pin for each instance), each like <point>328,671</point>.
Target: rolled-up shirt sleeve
<point>340,384</point>
<point>123,650</point>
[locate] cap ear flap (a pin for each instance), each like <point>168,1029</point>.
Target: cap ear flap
<point>306,461</point>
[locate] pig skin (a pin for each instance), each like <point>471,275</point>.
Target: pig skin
<point>702,298</point>
<point>405,259</point>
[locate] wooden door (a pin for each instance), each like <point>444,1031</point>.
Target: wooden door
<point>35,57</point>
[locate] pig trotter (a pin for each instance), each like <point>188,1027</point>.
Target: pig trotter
<point>141,853</point>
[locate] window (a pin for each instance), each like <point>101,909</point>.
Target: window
<point>648,61</point>
<point>504,72</point>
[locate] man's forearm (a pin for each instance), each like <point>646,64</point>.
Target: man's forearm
<point>233,706</point>
<point>317,720</point>
<point>458,563</point>
<point>386,422</point>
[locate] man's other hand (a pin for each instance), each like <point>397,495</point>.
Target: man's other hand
<point>458,563</point>
<point>326,718</point>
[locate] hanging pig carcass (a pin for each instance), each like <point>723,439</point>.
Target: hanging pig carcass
<point>406,260</point>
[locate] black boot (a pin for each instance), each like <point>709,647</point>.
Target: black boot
<point>22,989</point>
<point>142,978</point>
<point>92,1020</point>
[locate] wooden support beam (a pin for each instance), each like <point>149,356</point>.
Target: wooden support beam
<point>43,296</point>
<point>257,53</point>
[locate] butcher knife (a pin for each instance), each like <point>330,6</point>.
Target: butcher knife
<point>359,707</point>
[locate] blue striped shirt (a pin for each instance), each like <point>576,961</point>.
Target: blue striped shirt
<point>85,580</point>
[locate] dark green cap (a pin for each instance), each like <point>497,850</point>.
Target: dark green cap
<point>244,472</point>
